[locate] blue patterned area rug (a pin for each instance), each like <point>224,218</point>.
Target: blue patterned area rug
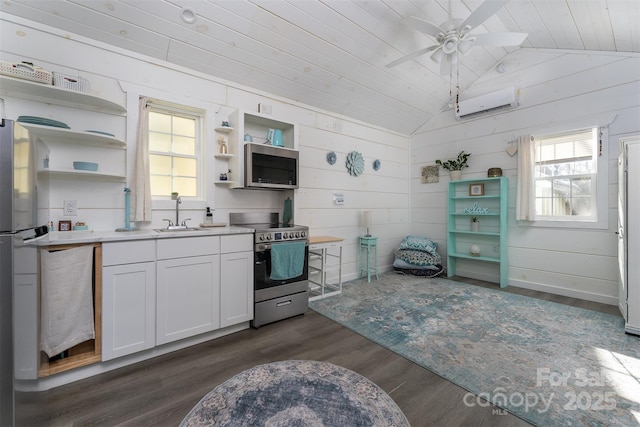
<point>296,393</point>
<point>548,363</point>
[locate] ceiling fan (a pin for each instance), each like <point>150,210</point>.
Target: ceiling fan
<point>453,36</point>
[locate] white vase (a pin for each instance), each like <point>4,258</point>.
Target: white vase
<point>475,225</point>
<point>474,250</point>
<point>455,175</point>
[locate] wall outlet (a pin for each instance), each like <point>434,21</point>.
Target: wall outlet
<point>70,208</point>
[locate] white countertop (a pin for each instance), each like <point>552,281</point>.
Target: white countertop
<point>71,237</point>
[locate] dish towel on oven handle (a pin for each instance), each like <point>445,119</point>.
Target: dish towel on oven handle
<point>67,299</point>
<point>287,260</point>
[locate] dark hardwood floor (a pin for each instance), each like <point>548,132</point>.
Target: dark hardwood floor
<point>160,391</point>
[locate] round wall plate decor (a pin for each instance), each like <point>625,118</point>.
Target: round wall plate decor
<point>376,165</point>
<point>331,158</point>
<point>355,163</point>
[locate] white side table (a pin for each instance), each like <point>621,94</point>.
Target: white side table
<point>325,256</point>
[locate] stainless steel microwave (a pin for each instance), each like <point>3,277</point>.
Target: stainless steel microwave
<point>270,167</point>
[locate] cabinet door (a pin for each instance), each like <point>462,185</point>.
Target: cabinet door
<point>236,293</point>
<point>128,309</point>
<point>188,299</point>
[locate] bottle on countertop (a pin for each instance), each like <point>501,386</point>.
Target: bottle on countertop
<point>208,217</point>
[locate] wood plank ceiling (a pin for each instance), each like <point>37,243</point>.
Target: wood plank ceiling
<point>331,54</point>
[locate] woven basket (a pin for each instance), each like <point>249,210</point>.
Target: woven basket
<point>79,84</point>
<point>26,71</point>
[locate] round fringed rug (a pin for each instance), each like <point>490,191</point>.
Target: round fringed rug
<point>296,393</point>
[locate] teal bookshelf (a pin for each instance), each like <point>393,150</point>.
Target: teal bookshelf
<point>486,199</point>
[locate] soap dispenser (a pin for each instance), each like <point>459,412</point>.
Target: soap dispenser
<point>208,218</point>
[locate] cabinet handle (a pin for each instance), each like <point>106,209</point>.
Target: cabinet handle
<point>283,303</point>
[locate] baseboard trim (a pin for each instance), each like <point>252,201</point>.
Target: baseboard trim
<point>573,293</point>
<point>556,290</point>
<point>47,383</point>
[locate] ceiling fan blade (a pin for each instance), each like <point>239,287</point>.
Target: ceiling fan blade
<point>424,26</point>
<point>499,39</point>
<point>481,14</point>
<point>437,56</point>
<point>411,56</point>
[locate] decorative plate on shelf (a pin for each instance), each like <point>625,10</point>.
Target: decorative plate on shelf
<point>355,163</point>
<point>376,165</point>
<point>331,158</point>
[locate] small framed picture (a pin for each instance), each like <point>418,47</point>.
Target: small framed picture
<point>476,189</point>
<point>64,225</point>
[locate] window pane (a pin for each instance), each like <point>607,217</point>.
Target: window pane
<point>159,165</point>
<point>185,186</point>
<point>184,145</point>
<point>160,185</point>
<point>581,187</point>
<point>184,126</point>
<point>159,142</point>
<point>159,122</point>
<point>582,206</point>
<point>184,167</point>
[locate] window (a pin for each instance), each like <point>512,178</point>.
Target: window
<point>565,175</point>
<point>174,151</point>
<point>570,178</point>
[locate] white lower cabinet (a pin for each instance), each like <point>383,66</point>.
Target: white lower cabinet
<point>236,271</point>
<point>157,292</point>
<point>188,287</point>
<point>128,298</point>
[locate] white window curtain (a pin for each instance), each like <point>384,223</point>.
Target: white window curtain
<point>525,197</point>
<point>141,185</point>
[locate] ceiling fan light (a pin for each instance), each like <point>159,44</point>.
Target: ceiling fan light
<point>465,45</point>
<point>449,46</point>
<point>437,56</point>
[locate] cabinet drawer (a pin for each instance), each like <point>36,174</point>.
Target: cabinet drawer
<point>237,243</point>
<point>128,252</point>
<point>188,246</point>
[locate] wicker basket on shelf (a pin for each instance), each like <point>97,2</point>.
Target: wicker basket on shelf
<point>64,81</point>
<point>26,71</point>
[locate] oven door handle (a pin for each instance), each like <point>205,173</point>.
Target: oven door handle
<point>267,246</point>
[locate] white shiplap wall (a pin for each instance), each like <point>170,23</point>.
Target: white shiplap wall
<point>101,204</point>
<point>557,89</point>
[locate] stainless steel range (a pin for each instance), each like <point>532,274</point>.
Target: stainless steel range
<point>276,297</point>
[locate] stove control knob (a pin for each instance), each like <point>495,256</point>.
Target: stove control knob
<point>285,235</point>
<point>268,236</point>
<point>297,234</point>
<point>303,234</point>
<point>261,237</point>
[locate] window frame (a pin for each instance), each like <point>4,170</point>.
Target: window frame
<point>601,197</point>
<point>162,107</point>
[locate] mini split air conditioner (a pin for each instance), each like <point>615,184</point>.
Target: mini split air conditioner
<point>504,98</point>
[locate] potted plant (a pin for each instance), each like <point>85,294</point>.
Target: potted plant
<point>475,223</point>
<point>455,166</point>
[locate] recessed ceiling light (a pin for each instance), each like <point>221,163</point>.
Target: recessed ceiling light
<point>188,15</point>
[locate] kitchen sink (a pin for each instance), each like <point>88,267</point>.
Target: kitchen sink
<point>179,229</point>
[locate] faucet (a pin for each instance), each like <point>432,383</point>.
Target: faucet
<point>178,201</point>
<point>177,225</point>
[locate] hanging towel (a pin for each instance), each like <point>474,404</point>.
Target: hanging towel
<point>67,299</point>
<point>287,260</point>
